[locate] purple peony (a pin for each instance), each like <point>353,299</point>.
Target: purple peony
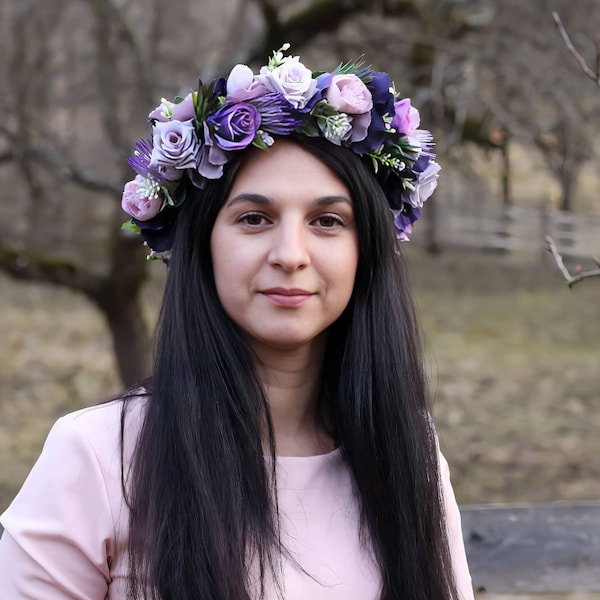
<point>234,125</point>
<point>175,145</point>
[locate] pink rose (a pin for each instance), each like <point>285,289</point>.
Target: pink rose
<point>141,198</point>
<point>348,94</point>
<point>407,118</point>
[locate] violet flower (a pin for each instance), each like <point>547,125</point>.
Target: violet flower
<point>234,125</point>
<point>277,115</point>
<point>175,145</point>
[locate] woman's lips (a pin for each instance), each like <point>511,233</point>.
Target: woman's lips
<point>287,297</point>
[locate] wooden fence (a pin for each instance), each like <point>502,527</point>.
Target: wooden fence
<point>533,548</point>
<point>512,228</point>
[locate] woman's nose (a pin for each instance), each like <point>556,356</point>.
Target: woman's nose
<point>289,250</point>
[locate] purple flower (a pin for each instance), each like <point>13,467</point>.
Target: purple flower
<point>171,111</point>
<point>403,220</point>
<point>383,104</point>
<point>158,231</point>
<point>407,117</point>
<point>211,159</point>
<point>235,125</point>
<point>141,198</point>
<point>175,146</point>
<point>241,85</point>
<point>424,186</point>
<point>277,115</point>
<point>290,78</point>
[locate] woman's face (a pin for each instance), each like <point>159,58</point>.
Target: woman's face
<point>284,247</point>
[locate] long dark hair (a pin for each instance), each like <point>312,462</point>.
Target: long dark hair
<point>202,497</point>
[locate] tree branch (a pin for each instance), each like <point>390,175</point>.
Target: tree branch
<point>595,77</point>
<point>558,259</point>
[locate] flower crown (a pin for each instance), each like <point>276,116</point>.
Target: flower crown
<point>353,106</point>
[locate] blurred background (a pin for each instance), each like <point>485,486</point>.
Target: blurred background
<point>513,353</point>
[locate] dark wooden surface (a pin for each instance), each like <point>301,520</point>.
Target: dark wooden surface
<point>528,548</point>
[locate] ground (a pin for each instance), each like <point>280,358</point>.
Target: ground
<point>513,356</point>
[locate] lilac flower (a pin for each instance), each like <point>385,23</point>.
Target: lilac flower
<point>277,115</point>
<point>175,145</point>
<point>142,198</point>
<point>211,158</point>
<point>241,85</point>
<point>424,186</point>
<point>171,111</point>
<point>407,117</point>
<point>140,162</point>
<point>235,125</point>
<point>292,79</point>
<point>403,220</point>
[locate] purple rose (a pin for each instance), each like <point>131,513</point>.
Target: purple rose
<point>171,111</point>
<point>175,145</point>
<point>407,117</point>
<point>235,125</point>
<point>141,198</point>
<point>425,185</point>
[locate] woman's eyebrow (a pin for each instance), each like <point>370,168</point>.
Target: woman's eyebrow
<point>264,200</point>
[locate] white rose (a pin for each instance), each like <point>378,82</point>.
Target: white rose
<point>292,79</point>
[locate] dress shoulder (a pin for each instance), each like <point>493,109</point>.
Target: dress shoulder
<point>63,531</point>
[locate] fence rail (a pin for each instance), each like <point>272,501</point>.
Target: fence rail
<point>514,229</point>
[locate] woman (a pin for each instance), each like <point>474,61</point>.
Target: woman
<point>283,447</point>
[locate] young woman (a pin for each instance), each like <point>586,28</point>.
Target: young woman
<point>284,446</point>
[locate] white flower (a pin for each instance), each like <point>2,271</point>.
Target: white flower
<point>292,79</point>
<point>335,128</point>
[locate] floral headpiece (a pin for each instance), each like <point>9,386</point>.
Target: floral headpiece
<point>353,106</point>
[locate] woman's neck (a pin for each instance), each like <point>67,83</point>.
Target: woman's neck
<point>292,382</point>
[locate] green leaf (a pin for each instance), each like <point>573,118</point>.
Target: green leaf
<point>356,67</point>
<point>131,226</point>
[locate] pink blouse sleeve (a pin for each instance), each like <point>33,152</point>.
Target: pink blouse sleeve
<point>455,538</point>
<point>59,529</point>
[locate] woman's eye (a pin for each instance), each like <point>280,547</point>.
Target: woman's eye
<point>329,221</point>
<point>253,219</point>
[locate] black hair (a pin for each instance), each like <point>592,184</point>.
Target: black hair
<point>202,497</point>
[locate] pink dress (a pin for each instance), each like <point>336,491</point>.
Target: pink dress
<point>66,531</point>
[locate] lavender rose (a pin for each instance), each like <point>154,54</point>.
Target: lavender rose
<point>175,145</point>
<point>241,85</point>
<point>235,125</point>
<point>407,117</point>
<point>141,198</point>
<point>425,185</point>
<point>292,79</point>
<point>347,93</point>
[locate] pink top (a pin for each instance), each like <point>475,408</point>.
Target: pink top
<point>66,531</point>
